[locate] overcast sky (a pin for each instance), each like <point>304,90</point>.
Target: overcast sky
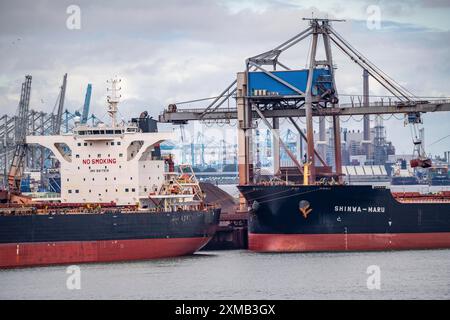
<point>169,51</point>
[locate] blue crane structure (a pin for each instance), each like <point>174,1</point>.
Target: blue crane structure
<point>84,116</point>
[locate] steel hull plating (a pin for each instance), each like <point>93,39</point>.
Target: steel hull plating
<point>339,218</point>
<point>78,238</point>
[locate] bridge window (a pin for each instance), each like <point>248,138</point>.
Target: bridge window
<point>85,144</point>
<point>77,191</point>
<point>70,191</point>
<point>79,144</point>
<point>133,190</point>
<point>118,143</point>
<point>112,143</point>
<point>126,190</point>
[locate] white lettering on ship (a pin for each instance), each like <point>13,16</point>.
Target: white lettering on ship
<point>100,161</point>
<point>357,209</point>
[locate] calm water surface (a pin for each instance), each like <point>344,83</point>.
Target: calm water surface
<point>243,275</point>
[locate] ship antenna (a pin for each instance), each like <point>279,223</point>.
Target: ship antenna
<point>113,100</point>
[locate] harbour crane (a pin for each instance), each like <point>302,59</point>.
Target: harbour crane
<point>268,89</point>
<point>84,115</point>
<point>17,164</point>
<point>420,158</point>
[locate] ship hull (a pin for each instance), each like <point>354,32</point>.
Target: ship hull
<point>85,238</point>
<point>341,218</point>
<point>347,242</point>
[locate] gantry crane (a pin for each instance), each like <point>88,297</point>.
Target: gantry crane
<point>17,163</point>
<point>268,89</point>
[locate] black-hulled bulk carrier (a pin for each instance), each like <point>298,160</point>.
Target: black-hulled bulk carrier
<point>341,217</point>
<point>323,214</point>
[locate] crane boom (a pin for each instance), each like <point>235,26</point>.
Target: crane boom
<point>87,102</point>
<point>58,120</point>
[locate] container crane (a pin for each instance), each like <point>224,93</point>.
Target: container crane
<point>17,163</point>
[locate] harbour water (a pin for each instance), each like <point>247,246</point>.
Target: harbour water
<point>244,275</point>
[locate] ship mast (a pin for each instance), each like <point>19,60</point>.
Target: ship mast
<point>113,100</point>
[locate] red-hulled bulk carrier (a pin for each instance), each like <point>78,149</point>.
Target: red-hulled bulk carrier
<point>120,200</point>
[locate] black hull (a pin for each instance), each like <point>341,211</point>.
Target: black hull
<point>71,238</point>
<point>340,212</point>
<point>107,226</point>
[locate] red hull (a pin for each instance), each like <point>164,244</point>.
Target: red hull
<point>47,253</point>
<point>349,242</point>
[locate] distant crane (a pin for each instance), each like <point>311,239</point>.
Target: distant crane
<point>62,95</point>
<point>17,163</point>
<point>84,115</point>
<point>201,144</point>
<point>87,102</point>
<point>224,152</point>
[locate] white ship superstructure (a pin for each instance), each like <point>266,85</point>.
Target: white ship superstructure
<point>107,163</point>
